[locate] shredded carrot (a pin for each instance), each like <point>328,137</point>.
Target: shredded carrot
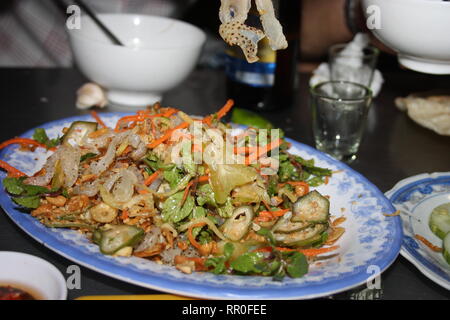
<point>225,109</point>
<point>221,113</point>
<point>98,133</point>
<point>124,215</point>
<point>13,172</point>
<point>24,141</point>
<point>143,191</point>
<point>167,135</point>
<point>186,192</point>
<point>207,120</point>
<point>141,116</point>
<point>152,178</point>
<point>242,135</point>
<point>270,215</point>
<point>204,178</point>
<point>182,245</point>
<point>262,151</point>
<point>263,249</point>
<point>428,243</point>
<point>280,213</point>
<point>316,252</point>
<point>191,236</point>
<point>98,119</point>
<point>170,112</point>
<point>247,150</point>
<point>272,145</point>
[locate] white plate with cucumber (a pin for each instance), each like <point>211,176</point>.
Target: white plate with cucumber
<point>423,202</point>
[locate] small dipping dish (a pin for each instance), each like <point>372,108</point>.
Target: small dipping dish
<point>31,275</point>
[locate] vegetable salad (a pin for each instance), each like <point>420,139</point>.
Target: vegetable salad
<point>157,186</point>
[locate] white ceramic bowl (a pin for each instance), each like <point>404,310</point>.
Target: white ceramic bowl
<point>35,274</point>
<point>159,54</point>
<point>418,30</point>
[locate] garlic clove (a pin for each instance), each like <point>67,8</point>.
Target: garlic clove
<point>90,95</point>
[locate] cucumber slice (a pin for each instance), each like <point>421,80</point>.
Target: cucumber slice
<point>285,225</point>
<point>312,207</point>
<point>301,238</point>
<point>118,237</point>
<point>236,227</point>
<point>440,220</point>
<point>447,248</point>
<point>78,130</point>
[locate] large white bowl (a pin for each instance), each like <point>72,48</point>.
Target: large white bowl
<point>159,54</point>
<point>35,274</point>
<point>418,30</point>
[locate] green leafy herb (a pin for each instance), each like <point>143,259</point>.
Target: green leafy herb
<point>155,163</point>
<point>227,209</point>
<point>65,193</point>
<point>205,195</point>
<point>188,162</point>
<point>30,202</point>
<point>218,263</point>
<point>296,264</point>
<point>173,176</point>
<point>273,185</point>
<point>292,263</point>
<point>267,234</point>
<point>197,212</point>
<point>246,263</point>
<point>31,190</point>
<point>14,185</point>
<point>41,136</point>
<point>172,210</point>
<point>205,237</point>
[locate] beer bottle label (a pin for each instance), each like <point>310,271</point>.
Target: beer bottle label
<point>257,74</point>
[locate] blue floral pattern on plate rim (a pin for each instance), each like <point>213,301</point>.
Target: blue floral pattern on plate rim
<point>370,238</point>
<point>407,194</point>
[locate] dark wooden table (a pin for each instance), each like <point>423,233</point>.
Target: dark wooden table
<point>394,148</point>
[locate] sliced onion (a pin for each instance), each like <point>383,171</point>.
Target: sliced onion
<point>152,238</point>
<point>49,168</point>
<point>108,198</point>
<point>124,188</point>
<point>140,152</point>
<point>169,227</point>
<point>103,164</point>
<point>210,224</point>
<point>99,142</point>
<point>147,198</point>
<point>137,173</point>
<point>70,162</point>
<point>134,140</point>
<point>111,180</point>
<point>89,189</point>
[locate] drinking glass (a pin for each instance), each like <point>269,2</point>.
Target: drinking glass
<point>352,65</point>
<point>339,114</point>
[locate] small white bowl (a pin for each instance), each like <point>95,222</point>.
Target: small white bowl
<point>159,54</point>
<point>418,30</point>
<point>35,274</point>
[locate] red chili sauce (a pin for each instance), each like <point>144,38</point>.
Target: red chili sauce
<point>8,292</point>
